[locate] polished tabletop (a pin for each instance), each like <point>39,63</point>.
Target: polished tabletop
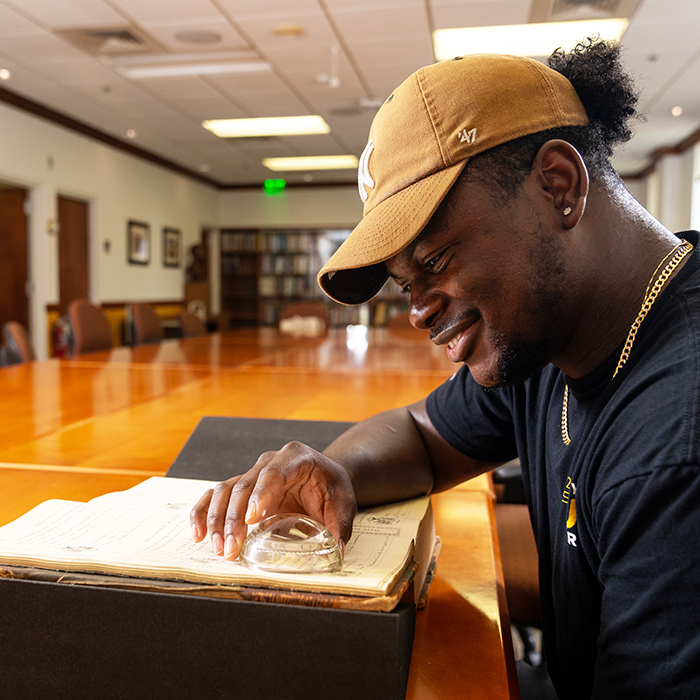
<point>100,422</point>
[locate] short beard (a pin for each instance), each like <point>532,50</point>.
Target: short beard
<point>519,360</point>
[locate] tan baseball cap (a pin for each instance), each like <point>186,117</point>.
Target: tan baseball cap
<point>420,141</point>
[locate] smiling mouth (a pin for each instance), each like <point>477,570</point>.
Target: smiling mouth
<point>453,343</point>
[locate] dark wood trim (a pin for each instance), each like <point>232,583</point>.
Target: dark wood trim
<point>122,304</point>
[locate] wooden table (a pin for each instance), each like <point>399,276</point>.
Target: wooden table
<point>103,422</point>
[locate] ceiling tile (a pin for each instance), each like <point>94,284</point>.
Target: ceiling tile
<point>381,23</point>
<point>315,30</point>
<point>11,22</point>
<point>478,13</point>
<point>381,42</point>
<point>167,33</point>
<point>37,49</point>
<point>242,8</point>
<point>149,10</point>
<point>63,14</point>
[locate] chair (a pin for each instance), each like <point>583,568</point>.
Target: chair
<point>191,326</point>
<point>17,347</point>
<point>519,556</point>
<point>90,328</point>
<point>198,308</point>
<point>147,326</point>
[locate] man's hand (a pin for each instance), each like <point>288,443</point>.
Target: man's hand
<point>295,479</point>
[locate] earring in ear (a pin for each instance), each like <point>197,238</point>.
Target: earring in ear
<point>566,211</point>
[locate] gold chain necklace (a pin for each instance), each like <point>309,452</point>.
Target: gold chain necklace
<point>650,295</point>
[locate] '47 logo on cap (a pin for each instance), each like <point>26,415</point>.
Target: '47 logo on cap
<point>467,136</point>
<point>364,180</point>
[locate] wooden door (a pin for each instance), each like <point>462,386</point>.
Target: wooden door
<point>14,304</point>
<point>73,251</point>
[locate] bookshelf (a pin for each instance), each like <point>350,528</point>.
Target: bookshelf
<point>265,270</point>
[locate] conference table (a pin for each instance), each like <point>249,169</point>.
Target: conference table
<point>100,422</point>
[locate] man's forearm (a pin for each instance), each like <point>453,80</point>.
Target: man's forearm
<point>385,457</point>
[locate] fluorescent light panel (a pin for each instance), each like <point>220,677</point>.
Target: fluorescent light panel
<point>267,126</point>
<point>523,39</point>
<point>189,69</point>
<point>311,163</point>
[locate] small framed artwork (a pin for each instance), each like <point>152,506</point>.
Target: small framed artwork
<point>139,242</point>
<point>171,247</point>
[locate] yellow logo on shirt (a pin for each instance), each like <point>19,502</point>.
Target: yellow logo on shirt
<point>568,496</point>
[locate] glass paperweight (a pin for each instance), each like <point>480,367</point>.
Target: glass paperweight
<point>290,543</point>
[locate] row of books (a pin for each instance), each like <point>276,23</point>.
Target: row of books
<point>287,286</point>
<point>289,264</point>
<point>239,266</point>
<point>267,242</point>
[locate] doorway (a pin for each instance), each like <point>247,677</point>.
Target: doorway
<point>73,251</point>
<point>14,303</point>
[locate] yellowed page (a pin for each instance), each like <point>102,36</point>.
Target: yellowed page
<point>145,531</point>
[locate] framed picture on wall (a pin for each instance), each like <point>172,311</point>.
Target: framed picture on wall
<point>171,247</point>
<point>139,242</point>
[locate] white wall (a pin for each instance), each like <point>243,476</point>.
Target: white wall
<point>638,189</point>
<point>670,188</point>
<point>332,207</point>
<point>50,161</point>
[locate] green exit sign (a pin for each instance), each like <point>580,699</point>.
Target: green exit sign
<point>274,186</point>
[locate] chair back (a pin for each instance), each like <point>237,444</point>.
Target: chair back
<point>191,326</point>
<point>90,327</point>
<point>198,308</point>
<point>306,309</point>
<point>304,319</point>
<point>17,346</point>
<point>147,326</point>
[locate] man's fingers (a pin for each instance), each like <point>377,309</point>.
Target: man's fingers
<point>235,529</point>
<point>338,516</point>
<point>198,516</point>
<point>295,479</point>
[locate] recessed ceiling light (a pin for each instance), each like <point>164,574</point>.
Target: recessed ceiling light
<point>292,30</point>
<point>5,74</point>
<point>267,126</point>
<point>131,133</point>
<point>311,163</point>
<point>677,111</point>
<point>523,39</point>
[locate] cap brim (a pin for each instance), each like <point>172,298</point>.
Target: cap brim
<point>356,271</point>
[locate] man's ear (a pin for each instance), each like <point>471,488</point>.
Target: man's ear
<point>562,176</point>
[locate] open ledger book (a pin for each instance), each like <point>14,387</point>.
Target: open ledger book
<point>145,532</point>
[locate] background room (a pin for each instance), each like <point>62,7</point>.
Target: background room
<point>102,104</point>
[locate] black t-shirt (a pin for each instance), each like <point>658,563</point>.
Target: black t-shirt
<point>616,513</point>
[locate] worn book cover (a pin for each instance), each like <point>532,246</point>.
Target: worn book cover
<point>144,533</point>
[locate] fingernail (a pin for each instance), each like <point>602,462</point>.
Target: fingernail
<point>341,544</point>
<point>251,512</point>
<point>231,545</point>
<point>217,542</point>
<point>195,533</point>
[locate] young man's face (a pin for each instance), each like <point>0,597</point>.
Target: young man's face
<point>487,280</point>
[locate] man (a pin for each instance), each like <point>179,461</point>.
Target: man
<point>490,200</point>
